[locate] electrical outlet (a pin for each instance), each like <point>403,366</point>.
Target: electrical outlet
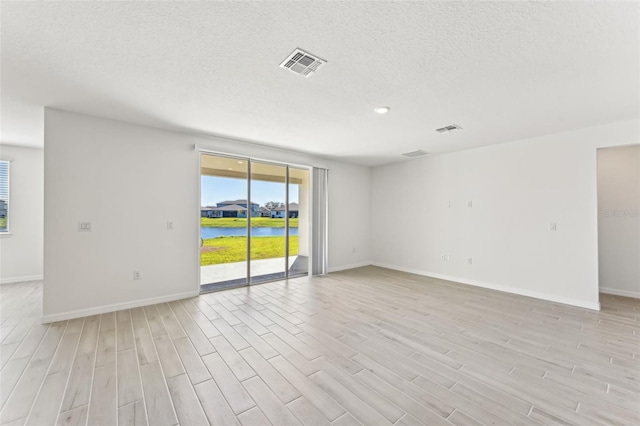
<point>84,226</point>
<point>353,250</point>
<point>169,226</point>
<point>470,204</point>
<point>136,275</point>
<point>470,260</point>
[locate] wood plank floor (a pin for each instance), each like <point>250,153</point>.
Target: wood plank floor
<point>367,346</point>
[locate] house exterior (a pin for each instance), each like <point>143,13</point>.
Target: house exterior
<point>210,211</point>
<point>232,210</point>
<point>227,210</point>
<point>264,212</point>
<point>238,208</point>
<point>279,212</point>
<point>232,205</point>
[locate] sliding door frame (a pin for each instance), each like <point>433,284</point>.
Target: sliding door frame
<point>249,161</point>
<point>248,276</point>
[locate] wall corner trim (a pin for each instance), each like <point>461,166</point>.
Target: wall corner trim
<point>13,280</point>
<point>506,289</point>
<point>63,316</point>
<point>616,292</point>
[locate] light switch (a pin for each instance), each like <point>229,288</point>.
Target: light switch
<point>552,226</point>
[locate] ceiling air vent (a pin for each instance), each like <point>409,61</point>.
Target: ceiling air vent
<point>418,153</point>
<point>449,128</point>
<point>302,63</point>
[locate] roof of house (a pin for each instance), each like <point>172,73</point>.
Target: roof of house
<point>264,209</point>
<point>292,207</point>
<point>232,207</point>
<point>235,202</point>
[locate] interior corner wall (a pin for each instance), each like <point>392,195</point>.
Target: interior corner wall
<point>483,216</point>
<point>349,218</point>
<point>619,220</point>
<point>128,181</point>
<point>21,250</point>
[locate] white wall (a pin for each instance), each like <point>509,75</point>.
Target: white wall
<point>128,181</point>
<point>349,216</point>
<point>619,220</point>
<point>517,190</point>
<point>21,250</point>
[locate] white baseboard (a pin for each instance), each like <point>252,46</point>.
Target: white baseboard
<point>351,266</point>
<point>507,289</point>
<point>616,292</point>
<point>13,280</point>
<point>63,316</point>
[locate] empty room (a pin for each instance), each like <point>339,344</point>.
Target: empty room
<point>319,213</point>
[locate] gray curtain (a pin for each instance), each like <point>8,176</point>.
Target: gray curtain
<point>319,214</point>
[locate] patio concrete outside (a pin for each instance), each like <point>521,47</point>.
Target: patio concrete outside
<point>238,270</point>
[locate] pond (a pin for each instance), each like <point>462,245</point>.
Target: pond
<point>208,232</point>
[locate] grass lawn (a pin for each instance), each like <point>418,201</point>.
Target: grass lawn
<point>256,222</point>
<point>234,249</point>
<point>3,223</point>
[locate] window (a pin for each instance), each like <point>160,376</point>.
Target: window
<point>4,196</point>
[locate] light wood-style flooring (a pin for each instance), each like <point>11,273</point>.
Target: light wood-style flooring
<point>368,346</point>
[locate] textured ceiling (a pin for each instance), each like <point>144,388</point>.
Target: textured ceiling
<point>503,71</point>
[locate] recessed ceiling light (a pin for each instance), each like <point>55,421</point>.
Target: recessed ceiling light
<point>240,162</point>
<point>382,109</point>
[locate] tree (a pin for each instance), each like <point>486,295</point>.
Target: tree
<point>273,204</point>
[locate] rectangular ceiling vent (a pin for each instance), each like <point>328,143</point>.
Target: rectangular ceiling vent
<point>418,153</point>
<point>449,128</point>
<point>302,63</point>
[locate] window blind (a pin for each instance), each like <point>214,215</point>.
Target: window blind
<point>4,195</point>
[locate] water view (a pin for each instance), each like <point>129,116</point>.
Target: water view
<point>210,232</point>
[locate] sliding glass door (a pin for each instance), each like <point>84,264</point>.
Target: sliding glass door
<point>267,242</point>
<point>223,220</point>
<point>250,215</point>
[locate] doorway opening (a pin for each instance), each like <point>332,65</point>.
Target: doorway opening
<point>619,220</point>
<point>254,221</point>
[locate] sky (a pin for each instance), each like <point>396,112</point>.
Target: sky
<point>218,189</point>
